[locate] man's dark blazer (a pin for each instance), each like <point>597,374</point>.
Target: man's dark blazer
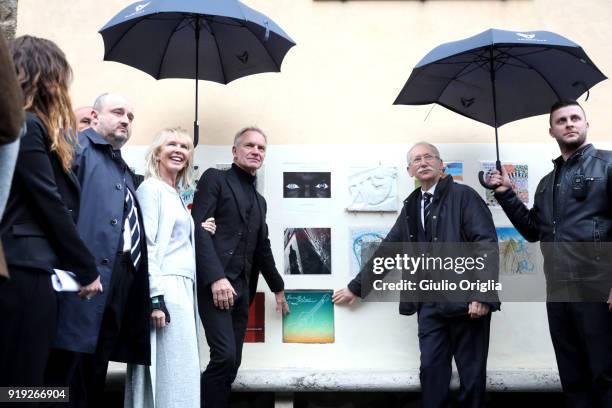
<point>459,215</point>
<point>104,176</point>
<point>39,225</point>
<point>219,194</point>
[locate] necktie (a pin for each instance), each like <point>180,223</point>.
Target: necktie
<point>134,229</point>
<point>426,210</point>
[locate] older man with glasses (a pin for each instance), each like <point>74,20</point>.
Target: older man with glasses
<point>442,211</point>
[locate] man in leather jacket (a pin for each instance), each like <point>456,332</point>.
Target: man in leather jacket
<point>572,217</point>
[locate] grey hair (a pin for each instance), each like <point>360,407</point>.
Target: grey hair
<point>247,129</point>
<point>433,148</point>
<point>100,101</point>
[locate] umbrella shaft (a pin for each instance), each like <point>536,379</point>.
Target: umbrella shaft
<point>196,123</point>
<point>492,71</point>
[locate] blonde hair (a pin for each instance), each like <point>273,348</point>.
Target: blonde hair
<point>44,75</point>
<point>184,178</point>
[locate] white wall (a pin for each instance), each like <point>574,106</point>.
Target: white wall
<point>374,335</point>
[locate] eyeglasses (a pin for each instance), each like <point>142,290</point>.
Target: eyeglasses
<point>428,158</point>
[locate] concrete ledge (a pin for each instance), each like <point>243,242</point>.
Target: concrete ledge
<point>296,380</point>
<point>299,380</point>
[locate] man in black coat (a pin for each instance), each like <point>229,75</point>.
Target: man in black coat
<point>114,325</point>
<point>228,263</point>
<point>442,211</point>
<point>572,217</point>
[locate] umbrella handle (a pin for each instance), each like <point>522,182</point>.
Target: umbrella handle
<point>481,178</point>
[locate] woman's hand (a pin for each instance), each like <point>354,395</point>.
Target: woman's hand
<point>158,318</point>
<point>209,225</point>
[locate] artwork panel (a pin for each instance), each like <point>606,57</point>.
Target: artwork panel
<point>519,179</point>
<point>455,169</point>
<point>256,325</point>
<point>373,189</point>
<point>311,319</point>
<point>306,184</point>
<point>516,256</point>
<point>361,248</point>
<point>307,251</point>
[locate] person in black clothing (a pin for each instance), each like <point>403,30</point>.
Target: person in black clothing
<point>39,226</point>
<point>442,211</point>
<point>228,263</point>
<point>572,213</point>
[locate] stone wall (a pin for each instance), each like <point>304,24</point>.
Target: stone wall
<point>8,17</point>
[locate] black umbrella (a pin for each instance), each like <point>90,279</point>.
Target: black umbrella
<point>214,40</point>
<point>500,76</point>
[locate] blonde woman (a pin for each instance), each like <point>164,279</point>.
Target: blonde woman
<point>173,379</point>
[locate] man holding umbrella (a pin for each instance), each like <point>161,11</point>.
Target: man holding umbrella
<point>573,206</point>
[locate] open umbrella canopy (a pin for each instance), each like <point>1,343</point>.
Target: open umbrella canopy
<point>159,38</point>
<point>214,40</point>
<point>500,76</point>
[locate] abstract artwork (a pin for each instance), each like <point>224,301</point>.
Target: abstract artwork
<point>364,242</point>
<point>372,189</point>
<point>516,255</point>
<point>256,325</point>
<point>519,179</point>
<point>311,319</point>
<point>307,251</point>
<point>455,169</point>
<point>306,184</point>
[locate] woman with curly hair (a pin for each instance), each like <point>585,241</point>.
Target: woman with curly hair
<point>38,229</point>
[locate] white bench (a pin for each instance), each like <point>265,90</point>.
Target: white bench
<point>285,382</point>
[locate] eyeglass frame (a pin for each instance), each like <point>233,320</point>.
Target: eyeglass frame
<point>427,157</point>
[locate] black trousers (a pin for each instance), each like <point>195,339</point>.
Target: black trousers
<point>28,308</point>
<point>581,334</point>
<point>84,373</point>
<point>225,331</point>
<point>442,338</point>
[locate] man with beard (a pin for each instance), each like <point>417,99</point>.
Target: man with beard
<point>115,324</point>
<point>573,206</point>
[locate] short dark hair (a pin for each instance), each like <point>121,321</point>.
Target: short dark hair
<point>562,103</point>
